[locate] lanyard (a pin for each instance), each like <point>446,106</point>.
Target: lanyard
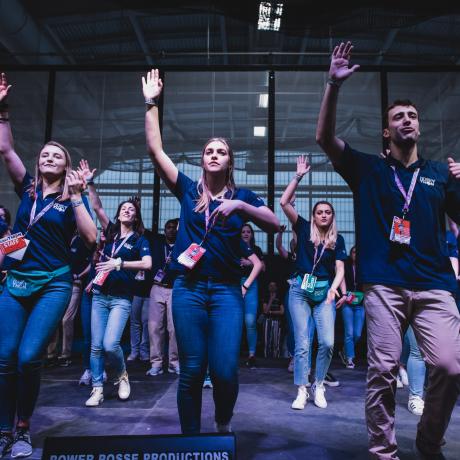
<point>167,255</point>
<point>115,251</point>
<point>407,196</point>
<point>354,275</point>
<point>316,261</point>
<point>34,219</point>
<point>208,226</point>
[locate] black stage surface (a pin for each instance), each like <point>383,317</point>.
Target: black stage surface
<point>265,425</point>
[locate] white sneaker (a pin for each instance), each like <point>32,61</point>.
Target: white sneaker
<point>291,365</point>
<point>154,370</point>
<point>399,383</point>
<point>124,389</point>
<point>97,396</point>
<point>85,378</point>
<point>319,398</point>
<point>416,405</point>
<point>223,427</point>
<point>132,357</point>
<point>403,376</point>
<point>300,401</point>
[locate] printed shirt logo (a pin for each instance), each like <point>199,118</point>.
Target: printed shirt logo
<point>128,246</point>
<point>427,181</point>
<point>59,207</point>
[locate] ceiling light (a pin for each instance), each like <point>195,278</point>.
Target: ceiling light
<point>259,131</point>
<point>270,15</point>
<point>263,100</point>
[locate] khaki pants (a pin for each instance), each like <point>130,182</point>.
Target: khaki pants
<point>435,319</point>
<point>160,320</point>
<point>67,324</point>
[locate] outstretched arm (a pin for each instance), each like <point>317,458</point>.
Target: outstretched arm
<point>88,175</point>
<point>279,242</point>
<point>255,272</point>
<point>286,199</point>
<point>152,87</point>
<point>14,165</point>
<point>339,71</point>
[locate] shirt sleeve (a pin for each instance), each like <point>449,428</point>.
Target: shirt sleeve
<point>258,252</point>
<point>25,185</point>
<point>245,250</point>
<point>301,224</point>
<point>354,166</point>
<point>144,247</point>
<point>340,251</point>
<point>183,184</point>
<point>253,199</point>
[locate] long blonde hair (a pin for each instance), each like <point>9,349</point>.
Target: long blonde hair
<point>204,199</point>
<point>330,238</point>
<point>38,179</point>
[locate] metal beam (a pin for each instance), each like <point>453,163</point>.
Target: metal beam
<point>140,37</point>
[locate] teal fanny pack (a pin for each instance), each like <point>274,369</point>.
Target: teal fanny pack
<point>355,297</point>
<point>24,284</point>
<point>319,292</point>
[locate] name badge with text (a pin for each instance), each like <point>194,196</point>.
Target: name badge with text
<point>190,257</point>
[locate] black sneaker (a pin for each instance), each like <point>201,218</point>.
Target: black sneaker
<point>22,445</point>
<point>343,357</point>
<point>64,362</point>
<point>6,441</point>
<point>251,362</point>
<point>331,381</point>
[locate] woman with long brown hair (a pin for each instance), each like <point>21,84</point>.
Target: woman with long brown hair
<point>39,281</point>
<point>207,299</point>
<point>320,253</point>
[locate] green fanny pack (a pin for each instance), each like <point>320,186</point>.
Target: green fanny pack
<point>24,284</point>
<point>319,292</point>
<point>355,297</point>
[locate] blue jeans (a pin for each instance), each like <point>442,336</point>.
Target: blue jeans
<point>353,322</point>
<point>27,325</point>
<point>416,369</point>
<point>323,316</point>
<point>251,303</point>
<point>85,313</point>
<point>139,327</point>
<point>108,319</point>
<point>290,344</point>
<point>208,319</point>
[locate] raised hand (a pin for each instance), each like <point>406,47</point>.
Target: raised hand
<point>302,166</point>
<point>4,87</point>
<point>340,68</point>
<point>152,84</point>
<point>75,183</point>
<point>85,171</point>
<point>454,168</point>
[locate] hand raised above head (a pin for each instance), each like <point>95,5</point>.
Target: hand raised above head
<point>152,84</point>
<point>340,68</point>
<point>302,165</point>
<point>85,171</point>
<point>4,87</point>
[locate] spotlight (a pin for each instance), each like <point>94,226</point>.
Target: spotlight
<point>259,131</point>
<point>270,15</point>
<point>263,100</point>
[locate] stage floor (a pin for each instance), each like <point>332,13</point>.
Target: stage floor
<point>266,427</point>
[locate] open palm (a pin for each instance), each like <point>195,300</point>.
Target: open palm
<point>152,84</point>
<point>4,87</point>
<point>340,62</point>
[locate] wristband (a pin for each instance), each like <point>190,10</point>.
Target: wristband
<point>245,287</point>
<point>76,203</point>
<point>151,101</point>
<point>333,82</point>
<point>298,177</point>
<point>90,181</point>
<point>118,264</point>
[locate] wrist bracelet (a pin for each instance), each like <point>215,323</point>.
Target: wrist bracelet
<point>333,82</point>
<point>245,287</point>
<point>118,263</point>
<point>76,203</point>
<point>151,101</point>
<point>90,182</point>
<point>298,177</point>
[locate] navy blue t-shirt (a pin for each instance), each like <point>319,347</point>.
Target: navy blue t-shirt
<point>305,253</point>
<point>161,249</point>
<point>424,264</point>
<point>246,271</point>
<point>451,242</point>
<point>50,237</point>
<point>223,243</point>
<point>123,283</point>
<point>80,255</point>
<point>351,277</point>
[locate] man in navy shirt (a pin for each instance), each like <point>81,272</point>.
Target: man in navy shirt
<point>400,204</point>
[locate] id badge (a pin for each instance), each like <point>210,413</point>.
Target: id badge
<point>190,257</point>
<point>100,278</point>
<point>14,245</point>
<point>400,231</point>
<point>159,276</point>
<point>309,282</point>
<point>140,275</point>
